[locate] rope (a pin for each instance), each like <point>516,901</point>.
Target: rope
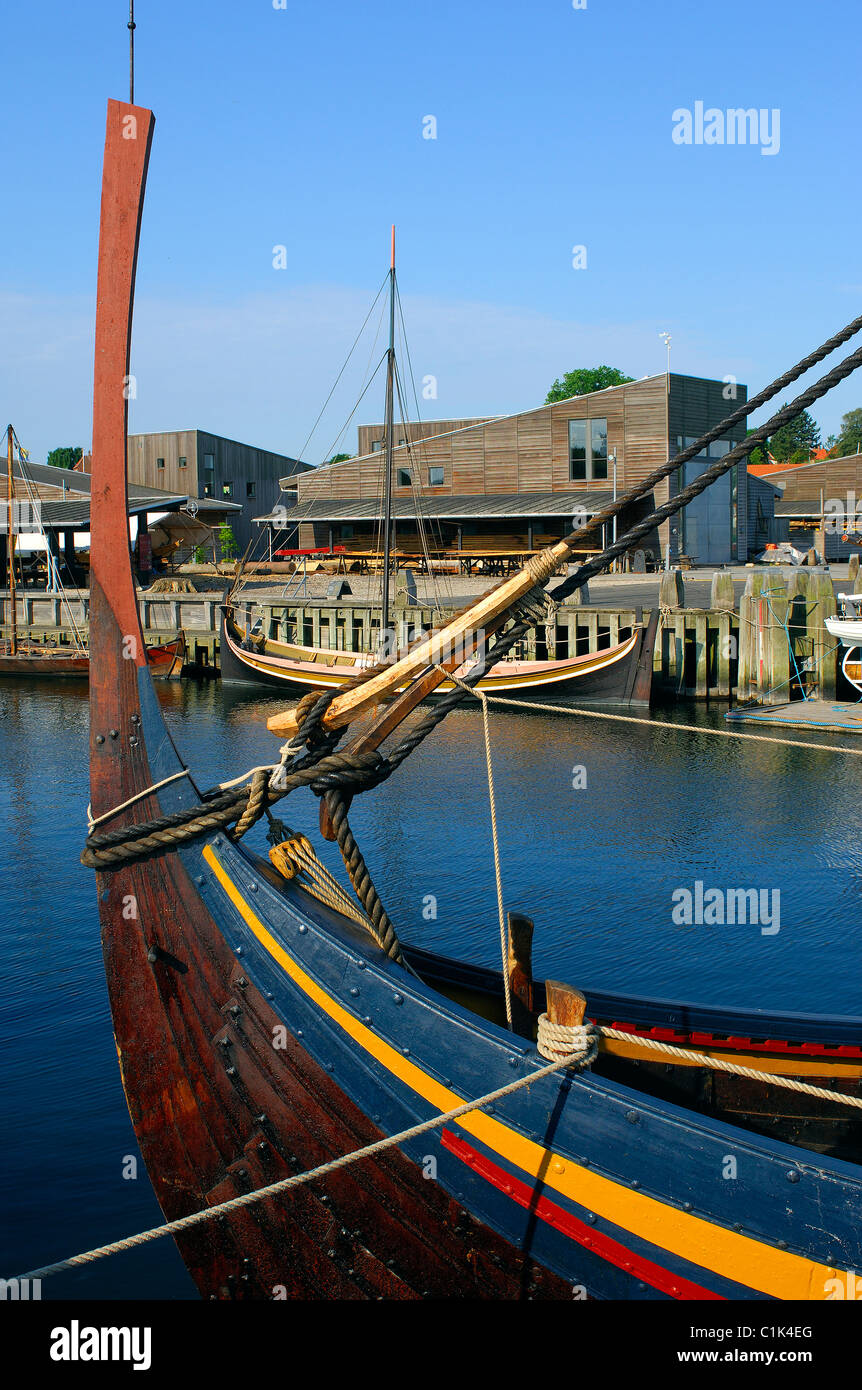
<point>667,724</point>
<point>582,1047</point>
<point>139,796</point>
<point>295,856</point>
<point>746,409</point>
<point>185,1223</point>
<point>480,695</point>
<point>557,1040</point>
<point>700,484</point>
<point>789,1084</point>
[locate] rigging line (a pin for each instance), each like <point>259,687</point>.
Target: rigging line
<point>344,367</point>
<point>704,480</point>
<point>420,450</point>
<point>747,408</point>
<point>669,724</point>
<point>34,499</point>
<point>495,840</point>
<point>333,447</point>
<point>416,492</point>
<point>258,541</point>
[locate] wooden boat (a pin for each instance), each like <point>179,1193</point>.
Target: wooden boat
<point>165,659</point>
<point>262,1031</point>
<point>619,675</point>
<point>22,656</point>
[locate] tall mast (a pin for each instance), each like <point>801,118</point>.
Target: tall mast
<point>131,52</point>
<point>10,545</point>
<point>390,411</point>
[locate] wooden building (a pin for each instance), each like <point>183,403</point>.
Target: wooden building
<point>516,482</point>
<point>823,496</point>
<point>208,466</point>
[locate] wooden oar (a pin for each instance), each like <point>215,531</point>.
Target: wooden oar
<point>437,646</point>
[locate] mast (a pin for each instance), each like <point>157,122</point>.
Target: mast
<point>132,27</point>
<point>10,545</point>
<point>388,430</point>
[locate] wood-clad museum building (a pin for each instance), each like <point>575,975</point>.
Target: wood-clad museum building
<point>515,482</point>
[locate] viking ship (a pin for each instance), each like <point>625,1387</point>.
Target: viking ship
<point>616,675</point>
<point>398,1124</point>
<point>22,656</point>
<point>620,674</point>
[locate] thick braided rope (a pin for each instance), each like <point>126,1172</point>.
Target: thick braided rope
<point>185,1223</point>
<point>747,408</point>
<point>379,922</point>
<point>706,479</point>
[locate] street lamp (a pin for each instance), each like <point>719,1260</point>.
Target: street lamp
<point>667,341</point>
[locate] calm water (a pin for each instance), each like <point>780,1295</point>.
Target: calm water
<point>595,867</point>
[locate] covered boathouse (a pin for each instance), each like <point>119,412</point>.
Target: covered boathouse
<point>517,483</point>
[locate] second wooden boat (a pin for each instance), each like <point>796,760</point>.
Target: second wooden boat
<point>618,675</point>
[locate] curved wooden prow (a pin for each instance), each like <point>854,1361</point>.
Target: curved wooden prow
<point>116,639</point>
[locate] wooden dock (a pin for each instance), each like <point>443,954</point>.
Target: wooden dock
<point>824,715</point>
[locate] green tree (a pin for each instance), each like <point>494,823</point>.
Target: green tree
<point>339,458</point>
<point>758,453</point>
<point>64,458</point>
<point>227,541</point>
<point>793,442</point>
<point>583,380</point>
<point>850,438</point>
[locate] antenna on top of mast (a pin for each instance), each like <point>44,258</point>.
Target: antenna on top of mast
<point>131,52</point>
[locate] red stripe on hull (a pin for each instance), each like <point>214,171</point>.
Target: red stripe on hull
<point>554,1215</point>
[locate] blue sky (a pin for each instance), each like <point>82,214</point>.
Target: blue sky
<point>303,127</point>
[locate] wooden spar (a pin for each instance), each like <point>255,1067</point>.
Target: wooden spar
<point>435,648</point>
<point>392,716</point>
<point>519,967</point>
<point>10,547</point>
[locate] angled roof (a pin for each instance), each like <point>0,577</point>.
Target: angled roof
<point>500,506</point>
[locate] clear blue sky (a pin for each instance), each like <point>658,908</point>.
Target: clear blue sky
<point>302,127</point>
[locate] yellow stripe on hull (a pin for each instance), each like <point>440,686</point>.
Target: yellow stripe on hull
<point>729,1254</point>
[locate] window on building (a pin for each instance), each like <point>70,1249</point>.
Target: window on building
<point>227,489</point>
<point>250,489</point>
<point>208,490</point>
<point>376,446</point>
<point>345,533</point>
<point>160,463</point>
<point>403,478</point>
<point>588,449</point>
<point>402,441</point>
<point>183,461</point>
<point>436,477</point>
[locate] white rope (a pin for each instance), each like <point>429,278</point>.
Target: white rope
<point>480,695</point>
<point>276,1189</point>
<point>788,1082</point>
<point>139,796</point>
<point>558,1040</point>
<point>666,724</point>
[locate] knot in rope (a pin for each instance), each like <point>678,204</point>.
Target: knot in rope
<point>559,1040</point>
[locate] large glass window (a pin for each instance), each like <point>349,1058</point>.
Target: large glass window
<point>588,449</point>
<point>578,448</point>
<point>402,477</point>
<point>436,477</point>
<point>599,448</point>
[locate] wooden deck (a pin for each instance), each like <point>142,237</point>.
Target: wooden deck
<point>825,715</point>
